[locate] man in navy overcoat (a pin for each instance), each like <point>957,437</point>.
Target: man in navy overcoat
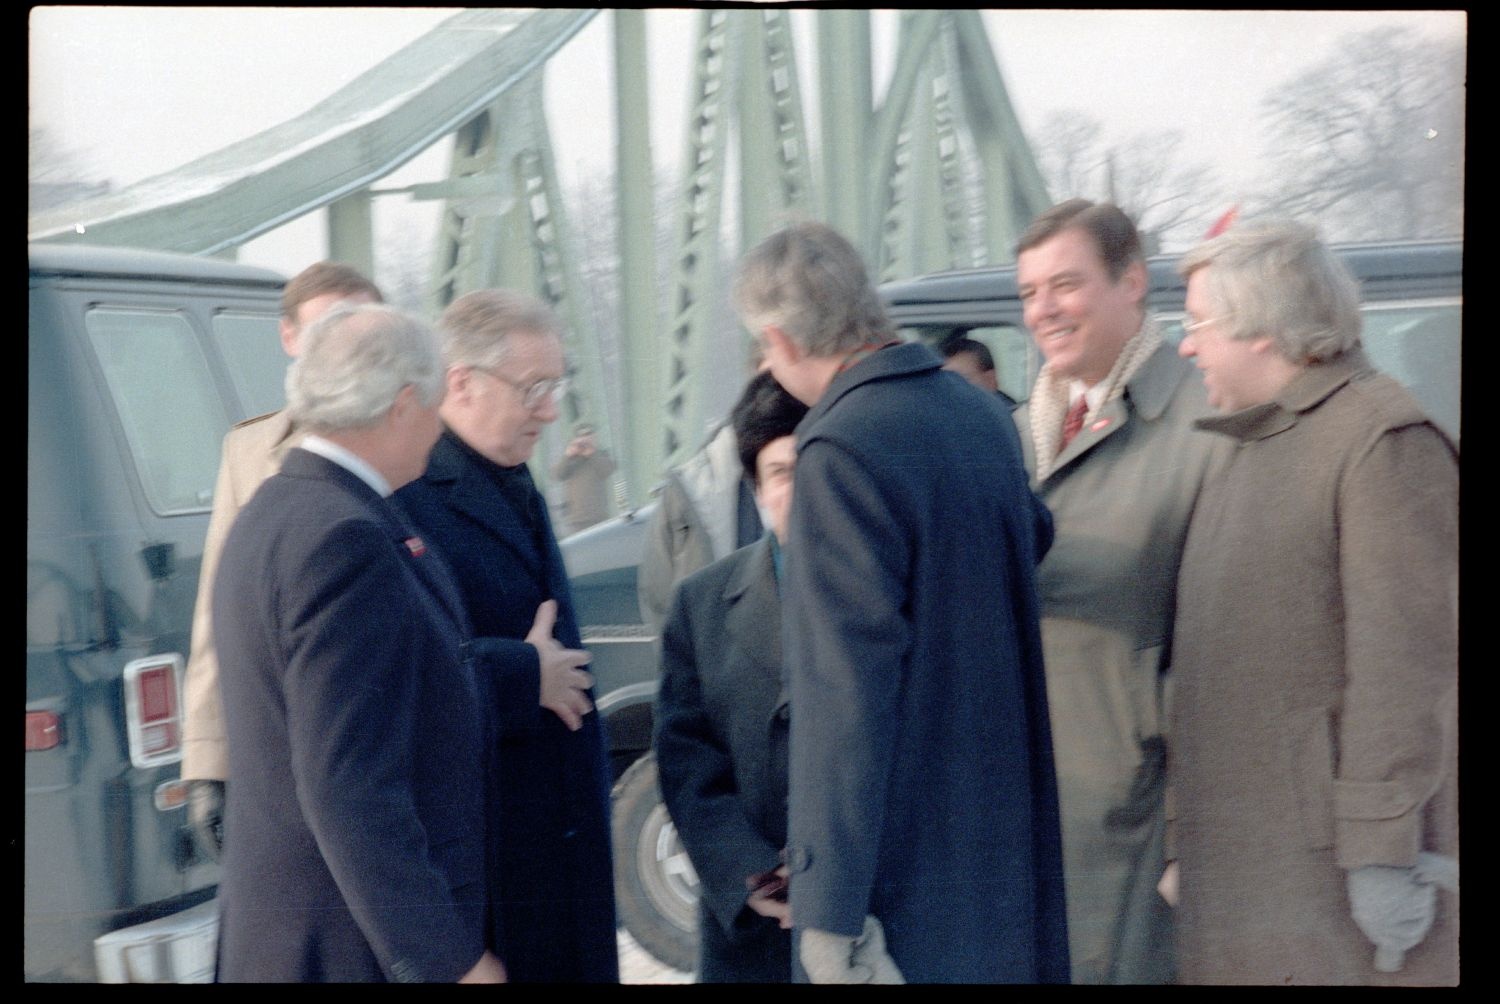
<point>355,734</point>
<point>923,837</point>
<point>549,864</point>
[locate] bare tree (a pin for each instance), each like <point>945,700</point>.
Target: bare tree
<point>1370,143</point>
<point>1171,201</point>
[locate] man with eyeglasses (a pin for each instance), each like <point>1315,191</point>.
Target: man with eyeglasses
<point>549,871</point>
<point>1109,444</point>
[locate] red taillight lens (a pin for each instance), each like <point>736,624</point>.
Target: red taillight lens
<point>153,709</point>
<point>157,689</point>
<point>43,730</point>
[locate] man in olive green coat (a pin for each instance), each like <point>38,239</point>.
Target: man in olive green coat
<point>1109,444</point>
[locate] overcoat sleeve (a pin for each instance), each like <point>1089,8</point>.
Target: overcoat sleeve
<point>205,754</point>
<point>1398,555</point>
<point>698,781</point>
<point>355,657</point>
<point>847,640</point>
<point>510,670</point>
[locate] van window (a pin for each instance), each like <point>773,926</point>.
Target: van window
<point>251,347</point>
<point>167,403</point>
<point>1419,344</point>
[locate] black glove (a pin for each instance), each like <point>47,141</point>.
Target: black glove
<point>206,817</point>
<point>1145,788</point>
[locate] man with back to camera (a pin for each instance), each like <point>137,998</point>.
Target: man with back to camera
<point>1108,439</point>
<point>922,834</point>
<point>550,874</point>
<point>354,730</point>
<point>722,716</point>
<point>253,451</point>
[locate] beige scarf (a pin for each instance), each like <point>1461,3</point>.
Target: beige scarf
<point>1049,399</point>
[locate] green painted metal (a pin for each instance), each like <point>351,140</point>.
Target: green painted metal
<point>360,133</point>
<point>919,30</point>
<point>696,252</point>
<point>350,231</point>
<point>846,110</point>
<point>639,443</point>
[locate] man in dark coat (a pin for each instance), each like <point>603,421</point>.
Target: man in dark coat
<point>923,806</point>
<point>354,730</point>
<point>549,855</point>
<point>722,718</point>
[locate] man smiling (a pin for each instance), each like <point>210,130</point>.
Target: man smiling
<point>1109,443</point>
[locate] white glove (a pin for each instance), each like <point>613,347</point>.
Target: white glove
<point>1395,907</point>
<point>837,958</point>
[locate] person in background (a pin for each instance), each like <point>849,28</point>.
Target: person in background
<point>550,875</point>
<point>1314,767</point>
<point>722,717</point>
<point>971,359</point>
<point>1109,441</point>
<point>584,471</point>
<point>354,731</point>
<point>923,839</point>
<point>253,451</point>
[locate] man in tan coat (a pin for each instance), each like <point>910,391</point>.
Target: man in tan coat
<point>253,451</point>
<point>1109,444</point>
<point>1314,764</point>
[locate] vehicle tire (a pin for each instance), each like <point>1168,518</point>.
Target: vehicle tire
<point>656,888</point>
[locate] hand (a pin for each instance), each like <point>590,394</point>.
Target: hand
<point>206,816</point>
<point>562,683</point>
<point>1166,887</point>
<point>836,958</point>
<point>488,969</point>
<point>1394,907</point>
<point>768,896</point>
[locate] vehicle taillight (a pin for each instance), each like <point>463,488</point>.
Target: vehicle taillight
<point>153,709</point>
<point>43,730</point>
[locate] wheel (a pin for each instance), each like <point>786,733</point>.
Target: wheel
<point>656,888</point>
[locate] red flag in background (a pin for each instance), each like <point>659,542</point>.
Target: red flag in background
<point>1223,223</point>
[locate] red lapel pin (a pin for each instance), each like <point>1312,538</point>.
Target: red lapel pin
<point>416,547</point>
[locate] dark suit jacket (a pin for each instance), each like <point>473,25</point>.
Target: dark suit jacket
<point>549,851</point>
<point>354,741</point>
<point>921,775</point>
<point>721,755</point>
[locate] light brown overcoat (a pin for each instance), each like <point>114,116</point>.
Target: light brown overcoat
<point>1314,717</point>
<point>253,451</point>
<point>1121,495</point>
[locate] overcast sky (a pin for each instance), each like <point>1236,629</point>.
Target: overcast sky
<point>138,91</point>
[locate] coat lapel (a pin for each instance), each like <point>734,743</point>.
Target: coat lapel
<point>753,624</point>
<point>471,494</point>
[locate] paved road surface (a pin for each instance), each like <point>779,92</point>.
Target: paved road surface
<point>639,966</point>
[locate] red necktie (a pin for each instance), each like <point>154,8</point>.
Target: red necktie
<point>1073,422</point>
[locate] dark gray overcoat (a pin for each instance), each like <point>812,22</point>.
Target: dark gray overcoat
<point>721,747</point>
<point>922,786</point>
<point>355,819</point>
<point>549,849</point>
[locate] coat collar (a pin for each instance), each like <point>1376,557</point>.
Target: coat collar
<point>1308,389</point>
<point>1148,391</point>
<point>452,471</point>
<point>896,361</point>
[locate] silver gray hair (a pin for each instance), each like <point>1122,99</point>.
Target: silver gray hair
<point>1277,279</point>
<point>476,326</point>
<point>355,359</point>
<point>810,282</point>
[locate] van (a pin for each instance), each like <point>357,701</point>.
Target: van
<point>138,363</point>
<point>1412,296</point>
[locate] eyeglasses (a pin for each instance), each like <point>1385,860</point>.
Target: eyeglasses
<point>532,395</point>
<point>1188,327</point>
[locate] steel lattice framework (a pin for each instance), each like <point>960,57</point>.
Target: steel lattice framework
<point>936,175</point>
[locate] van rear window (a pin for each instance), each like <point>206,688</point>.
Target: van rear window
<point>251,347</point>
<point>167,403</point>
